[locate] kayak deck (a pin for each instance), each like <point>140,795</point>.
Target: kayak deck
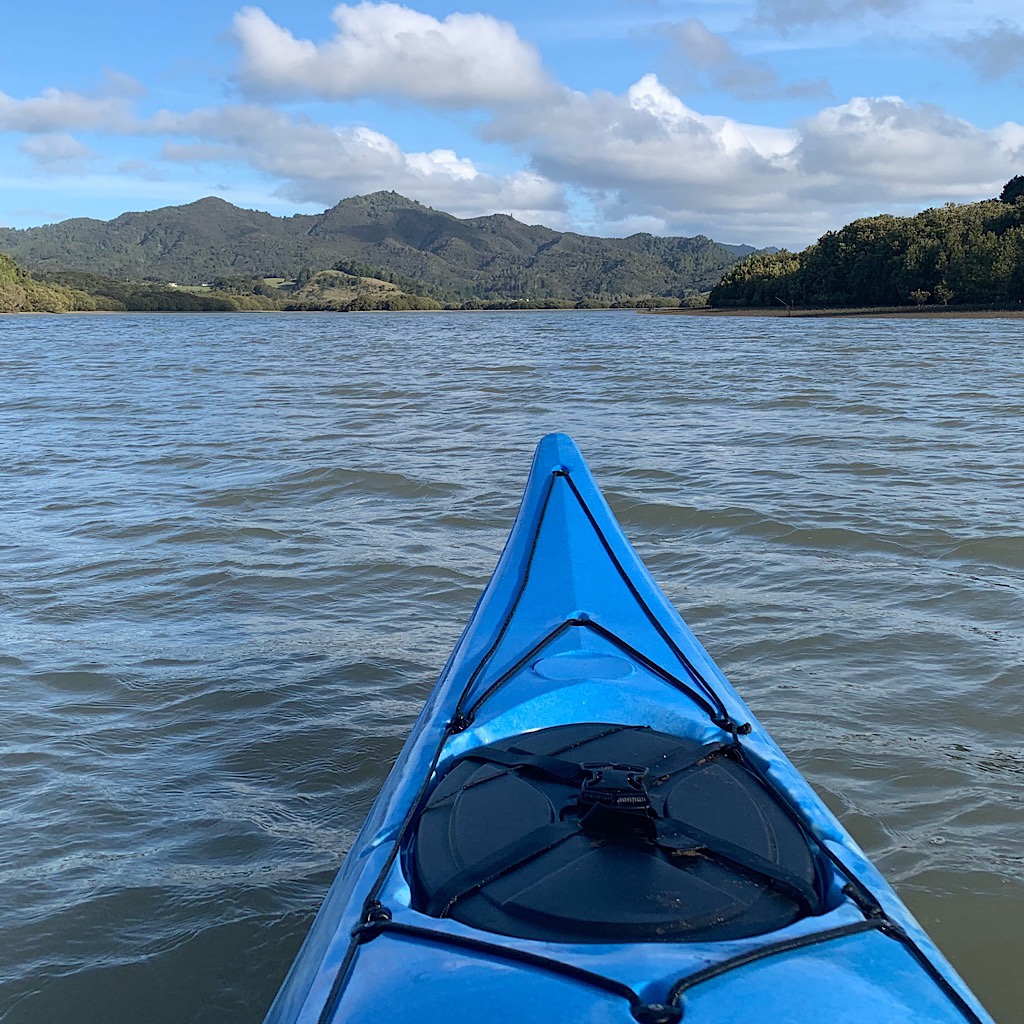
<point>572,631</point>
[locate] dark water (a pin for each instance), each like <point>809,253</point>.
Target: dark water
<point>235,551</point>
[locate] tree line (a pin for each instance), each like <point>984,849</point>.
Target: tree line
<point>958,254</point>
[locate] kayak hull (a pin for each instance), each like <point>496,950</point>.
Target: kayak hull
<point>571,629</point>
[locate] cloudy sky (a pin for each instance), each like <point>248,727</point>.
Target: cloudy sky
<point>759,121</point>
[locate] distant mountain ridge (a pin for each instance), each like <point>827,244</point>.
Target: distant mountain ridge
<point>441,255</point>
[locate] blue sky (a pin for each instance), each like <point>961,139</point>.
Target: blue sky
<point>760,121</point>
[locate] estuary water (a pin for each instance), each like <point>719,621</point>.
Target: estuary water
<point>235,551</point>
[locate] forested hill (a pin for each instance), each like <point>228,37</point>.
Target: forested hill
<point>379,234</point>
<point>970,254</point>
<point>22,293</point>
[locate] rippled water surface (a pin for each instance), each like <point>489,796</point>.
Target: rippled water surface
<point>236,550</point>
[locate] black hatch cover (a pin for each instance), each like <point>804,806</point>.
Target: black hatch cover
<point>601,833</point>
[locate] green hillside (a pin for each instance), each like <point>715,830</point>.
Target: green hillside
<point>384,235</point>
<point>969,254</point>
<point>328,290</point>
<point>21,293</point>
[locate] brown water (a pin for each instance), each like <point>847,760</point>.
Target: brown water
<point>236,551</point>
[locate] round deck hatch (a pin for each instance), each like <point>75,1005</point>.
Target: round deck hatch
<point>602,833</point>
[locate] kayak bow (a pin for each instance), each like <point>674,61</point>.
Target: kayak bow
<point>588,824</point>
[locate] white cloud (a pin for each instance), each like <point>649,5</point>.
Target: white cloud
<point>646,139</point>
<point>55,110</point>
<point>647,154</point>
<point>385,49</point>
<point>887,150</point>
<point>713,59</point>
<point>318,164</point>
<point>55,149</point>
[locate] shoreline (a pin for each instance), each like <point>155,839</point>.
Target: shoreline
<point>867,312</point>
<point>315,312</point>
<point>888,312</point>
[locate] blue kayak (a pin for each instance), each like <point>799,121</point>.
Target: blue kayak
<point>587,824</point>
